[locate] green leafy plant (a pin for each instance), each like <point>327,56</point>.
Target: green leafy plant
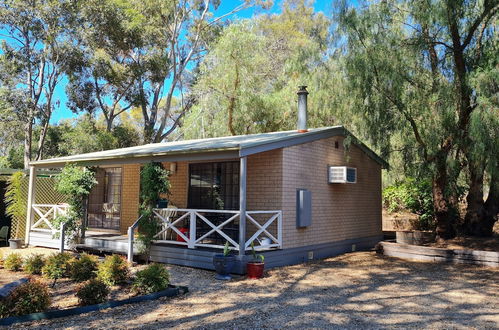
<point>30,297</point>
<point>92,292</point>
<point>33,264</point>
<point>15,200</point>
<point>113,270</point>
<point>152,279</point>
<point>153,182</point>
<point>226,249</point>
<point>76,183</point>
<point>57,266</point>
<point>83,268</point>
<point>256,256</point>
<point>412,195</point>
<point>14,262</point>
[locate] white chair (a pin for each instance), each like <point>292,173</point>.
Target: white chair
<point>168,214</point>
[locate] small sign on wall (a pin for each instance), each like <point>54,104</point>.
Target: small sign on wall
<point>303,208</point>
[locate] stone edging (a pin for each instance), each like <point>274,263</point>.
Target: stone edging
<point>170,292</point>
<point>425,253</point>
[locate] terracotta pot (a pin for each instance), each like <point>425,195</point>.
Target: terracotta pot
<point>255,269</point>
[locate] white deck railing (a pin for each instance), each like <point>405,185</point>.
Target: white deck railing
<point>173,220</point>
<point>47,213</point>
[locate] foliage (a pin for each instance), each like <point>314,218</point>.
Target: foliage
<point>76,183</point>
<point>16,202</point>
<point>83,268</point>
<point>256,257</point>
<point>92,292</point>
<point>29,297</point>
<point>152,279</point>
<point>57,266</point>
<point>408,70</point>
<point>241,89</point>
<point>226,249</point>
<point>414,196</point>
<point>113,270</point>
<point>14,262</point>
<point>153,182</point>
<point>33,264</point>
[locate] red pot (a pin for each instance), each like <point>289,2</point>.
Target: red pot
<point>255,269</point>
<point>184,231</point>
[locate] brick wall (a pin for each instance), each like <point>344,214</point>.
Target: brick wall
<point>129,196</point>
<point>339,211</point>
<point>179,184</point>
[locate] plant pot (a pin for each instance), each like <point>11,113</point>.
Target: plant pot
<point>15,243</point>
<point>415,237</point>
<point>255,269</point>
<point>223,266</point>
<point>184,231</point>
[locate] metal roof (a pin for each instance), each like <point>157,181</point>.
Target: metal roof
<point>233,146</point>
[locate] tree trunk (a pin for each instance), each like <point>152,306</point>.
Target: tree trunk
<point>475,203</point>
<point>28,137</point>
<point>445,228</point>
<point>491,209</point>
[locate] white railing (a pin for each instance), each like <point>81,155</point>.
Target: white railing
<point>172,218</point>
<point>47,213</point>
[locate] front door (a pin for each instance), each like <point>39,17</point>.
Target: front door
<point>104,201</point>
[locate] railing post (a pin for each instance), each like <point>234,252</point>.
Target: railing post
<point>242,205</point>
<point>279,229</point>
<point>130,244</point>
<point>31,200</point>
<point>192,230</point>
<point>63,237</point>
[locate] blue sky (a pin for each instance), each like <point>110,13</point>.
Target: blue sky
<point>62,112</point>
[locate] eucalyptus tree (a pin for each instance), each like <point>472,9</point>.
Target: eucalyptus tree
<point>141,55</point>
<point>410,68</point>
<point>34,50</point>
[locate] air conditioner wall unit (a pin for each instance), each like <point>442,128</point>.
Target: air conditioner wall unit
<point>342,174</point>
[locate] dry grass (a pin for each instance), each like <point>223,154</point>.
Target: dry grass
<point>356,290</point>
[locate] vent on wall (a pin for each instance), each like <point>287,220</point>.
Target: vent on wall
<point>342,174</point>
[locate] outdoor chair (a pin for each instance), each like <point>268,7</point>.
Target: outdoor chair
<point>4,234</point>
<point>168,214</point>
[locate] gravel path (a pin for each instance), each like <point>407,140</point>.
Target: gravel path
<point>356,290</point>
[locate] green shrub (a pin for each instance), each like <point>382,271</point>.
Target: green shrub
<point>415,196</point>
<point>57,266</point>
<point>30,297</point>
<point>152,279</point>
<point>113,270</point>
<point>84,268</point>
<point>92,292</point>
<point>13,262</point>
<point>33,264</point>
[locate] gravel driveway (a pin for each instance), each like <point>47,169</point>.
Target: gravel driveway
<point>356,290</point>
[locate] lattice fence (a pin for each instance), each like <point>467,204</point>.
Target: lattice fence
<point>45,193</point>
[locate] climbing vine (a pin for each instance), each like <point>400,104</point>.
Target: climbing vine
<point>154,181</point>
<point>76,183</point>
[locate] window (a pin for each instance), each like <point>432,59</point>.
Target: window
<point>214,186</point>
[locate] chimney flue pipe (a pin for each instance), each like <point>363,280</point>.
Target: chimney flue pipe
<point>302,109</point>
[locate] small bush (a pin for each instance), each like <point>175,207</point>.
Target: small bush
<point>152,279</point>
<point>84,268</point>
<point>92,292</point>
<point>30,297</point>
<point>114,270</point>
<point>34,264</point>
<point>13,262</point>
<point>57,266</point>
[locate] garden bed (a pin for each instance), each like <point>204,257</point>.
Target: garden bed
<point>82,281</point>
<point>426,253</point>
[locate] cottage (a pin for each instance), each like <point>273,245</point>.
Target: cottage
<point>294,195</point>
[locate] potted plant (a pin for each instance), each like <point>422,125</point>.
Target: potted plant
<point>255,267</point>
<point>224,263</point>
